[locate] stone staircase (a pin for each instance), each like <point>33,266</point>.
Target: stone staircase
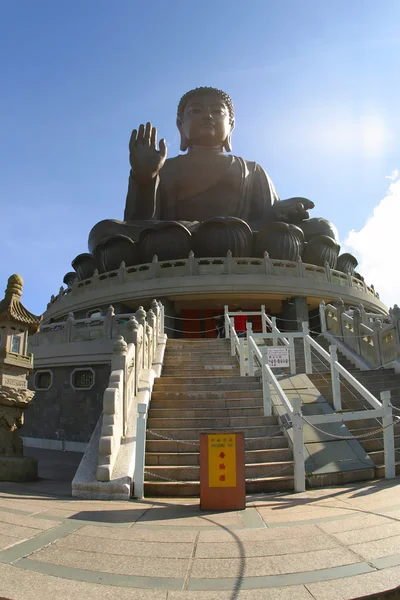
<point>374,381</point>
<point>201,391</point>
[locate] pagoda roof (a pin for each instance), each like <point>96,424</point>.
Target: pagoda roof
<point>12,309</point>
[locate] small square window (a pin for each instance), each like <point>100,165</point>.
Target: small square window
<point>16,344</point>
<point>43,380</point>
<point>82,379</point>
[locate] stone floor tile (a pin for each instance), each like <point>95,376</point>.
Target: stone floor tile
<point>138,534</point>
<point>293,592</point>
<point>357,586</point>
<point>266,548</point>
<point>357,522</point>
<point>94,561</point>
<point>99,515</point>
<point>265,534</point>
<point>19,584</point>
<point>272,565</point>
<point>7,541</point>
<point>369,534</point>
<point>24,521</point>
<point>309,512</point>
<point>17,532</point>
<point>378,548</point>
<point>126,548</point>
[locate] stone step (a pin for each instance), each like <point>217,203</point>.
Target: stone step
<point>187,363</point>
<point>205,395</point>
<point>193,433</point>
<point>203,423</point>
<point>192,489</point>
<point>191,404</point>
<point>256,443</point>
<point>210,387</point>
<point>193,458</point>
<point>210,412</point>
<point>212,379</point>
<point>192,472</point>
<point>206,372</point>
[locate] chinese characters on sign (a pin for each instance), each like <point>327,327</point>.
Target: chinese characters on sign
<point>278,356</point>
<point>222,460</point>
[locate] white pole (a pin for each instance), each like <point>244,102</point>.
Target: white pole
<point>335,377</point>
<point>298,447</point>
<point>307,348</point>
<point>241,357</point>
<point>292,357</point>
<point>274,330</point>
<point>226,314</point>
<point>266,393</point>
<point>232,326</point>
<point>263,319</point>
<point>388,436</point>
<point>250,349</point>
<point>322,316</point>
<point>138,477</point>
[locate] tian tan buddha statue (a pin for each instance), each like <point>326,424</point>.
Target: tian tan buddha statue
<point>206,200</point>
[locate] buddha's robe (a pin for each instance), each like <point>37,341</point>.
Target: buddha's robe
<point>243,189</point>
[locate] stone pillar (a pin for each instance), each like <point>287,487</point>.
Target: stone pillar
<point>294,313</point>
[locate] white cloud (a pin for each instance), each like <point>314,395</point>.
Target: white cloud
<point>394,175</point>
<point>376,245</point>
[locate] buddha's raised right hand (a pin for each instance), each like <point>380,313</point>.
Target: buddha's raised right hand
<point>146,161</point>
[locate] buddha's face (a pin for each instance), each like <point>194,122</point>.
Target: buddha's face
<point>205,121</point>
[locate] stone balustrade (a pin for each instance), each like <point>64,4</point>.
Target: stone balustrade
<point>130,357</point>
<point>375,337</point>
<point>135,277</point>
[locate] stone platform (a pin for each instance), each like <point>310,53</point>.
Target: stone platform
<point>327,544</point>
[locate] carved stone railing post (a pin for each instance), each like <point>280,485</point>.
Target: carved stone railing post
<point>141,317</point>
<point>95,280</point>
<point>377,326</point>
<point>69,325</point>
<point>74,287</point>
<point>156,310</point>
<point>228,263</point>
<point>267,264</point>
<point>340,311</point>
<point>109,322</point>
<point>192,266</point>
<point>300,267</point>
<point>363,314</point>
<point>149,346</point>
<point>356,329</point>
<point>121,272</point>
<point>328,272</point>
<point>155,267</point>
<point>151,319</point>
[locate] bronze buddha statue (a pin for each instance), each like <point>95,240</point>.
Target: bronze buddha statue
<point>205,200</point>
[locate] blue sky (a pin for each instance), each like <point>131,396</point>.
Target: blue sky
<point>315,86</point>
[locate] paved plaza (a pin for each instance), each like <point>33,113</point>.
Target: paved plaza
<point>327,544</point>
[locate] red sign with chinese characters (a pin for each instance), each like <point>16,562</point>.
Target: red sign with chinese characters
<point>222,471</point>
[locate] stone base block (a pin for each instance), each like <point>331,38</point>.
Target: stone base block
<point>18,468</point>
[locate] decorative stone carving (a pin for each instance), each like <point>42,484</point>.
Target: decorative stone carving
<point>69,278</point>
<point>346,263</point>
<point>84,265</point>
<point>321,250</point>
<point>168,241</point>
<point>115,250</point>
<point>220,234</point>
<point>280,240</point>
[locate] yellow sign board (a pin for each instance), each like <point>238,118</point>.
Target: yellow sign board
<point>222,460</point>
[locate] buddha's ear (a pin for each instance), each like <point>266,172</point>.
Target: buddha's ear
<point>227,145</point>
<point>184,141</point>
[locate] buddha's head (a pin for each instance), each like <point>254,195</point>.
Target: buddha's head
<point>206,118</point>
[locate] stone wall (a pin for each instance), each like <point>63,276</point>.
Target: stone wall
<point>63,413</point>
